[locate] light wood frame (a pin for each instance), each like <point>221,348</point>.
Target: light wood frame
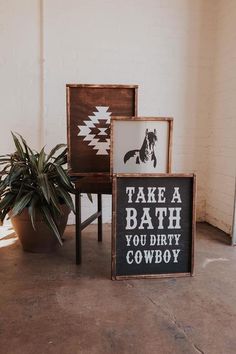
<point>169,120</point>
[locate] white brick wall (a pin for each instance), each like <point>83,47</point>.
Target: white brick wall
<point>180,52</point>
<point>160,45</point>
<point>20,83</point>
<point>222,133</point>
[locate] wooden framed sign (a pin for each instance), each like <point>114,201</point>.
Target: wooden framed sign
<point>153,223</point>
<point>89,111</point>
<point>141,144</point>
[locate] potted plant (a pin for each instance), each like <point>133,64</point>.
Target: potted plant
<point>35,193</point>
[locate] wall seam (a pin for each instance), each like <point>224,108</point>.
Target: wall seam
<point>41,78</point>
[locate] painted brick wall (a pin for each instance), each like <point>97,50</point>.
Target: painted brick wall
<point>180,52</point>
<point>222,133</point>
<point>162,45</point>
<point>20,72</point>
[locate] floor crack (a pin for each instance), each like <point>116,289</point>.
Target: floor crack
<point>175,322</point>
<point>198,349</point>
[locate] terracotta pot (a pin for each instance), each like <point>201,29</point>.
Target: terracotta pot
<point>41,240</point>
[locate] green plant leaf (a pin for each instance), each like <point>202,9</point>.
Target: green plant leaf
<point>28,151</point>
<point>21,204</point>
<point>44,185</point>
<point>32,210</point>
<point>67,198</point>
<point>62,158</point>
<point>63,175</point>
<point>4,171</point>
<point>3,215</point>
<point>54,150</point>
<point>51,223</point>
<point>17,171</point>
<point>54,197</point>
<point>33,166</point>
<point>18,146</point>
<point>41,160</point>
<point>5,157</point>
<point>3,161</point>
<point>6,202</point>
<point>20,192</point>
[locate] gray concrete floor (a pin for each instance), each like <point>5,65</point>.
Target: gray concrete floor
<point>50,305</point>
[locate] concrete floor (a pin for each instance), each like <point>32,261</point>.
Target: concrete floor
<point>50,305</point>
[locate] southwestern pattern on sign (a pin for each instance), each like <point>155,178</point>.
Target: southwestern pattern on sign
<point>89,112</point>
<point>96,130</point>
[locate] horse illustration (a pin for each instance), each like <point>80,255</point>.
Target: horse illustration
<point>147,151</point>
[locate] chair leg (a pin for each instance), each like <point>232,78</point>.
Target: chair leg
<point>99,196</point>
<point>78,228</point>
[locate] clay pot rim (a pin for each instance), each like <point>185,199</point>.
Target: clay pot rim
<point>39,217</point>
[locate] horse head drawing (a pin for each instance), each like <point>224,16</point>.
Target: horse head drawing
<point>147,151</point>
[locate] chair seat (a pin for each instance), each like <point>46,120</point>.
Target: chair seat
<point>98,184</point>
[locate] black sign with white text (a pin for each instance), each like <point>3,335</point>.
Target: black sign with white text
<point>153,225</point>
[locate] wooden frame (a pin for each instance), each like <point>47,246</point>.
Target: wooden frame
<point>114,227</point>
<point>134,164</point>
<point>233,234</point>
<point>89,109</point>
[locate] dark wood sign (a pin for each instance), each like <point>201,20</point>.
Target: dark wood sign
<point>153,225</point>
<point>89,112</point>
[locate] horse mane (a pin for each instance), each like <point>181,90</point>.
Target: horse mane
<point>143,151</point>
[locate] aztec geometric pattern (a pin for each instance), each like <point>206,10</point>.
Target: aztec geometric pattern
<point>96,130</point>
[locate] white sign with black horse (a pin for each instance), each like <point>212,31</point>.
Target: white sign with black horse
<point>140,146</point>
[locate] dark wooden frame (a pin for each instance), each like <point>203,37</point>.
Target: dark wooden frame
<point>68,104</point>
<point>233,233</point>
<point>169,120</point>
<point>114,218</point>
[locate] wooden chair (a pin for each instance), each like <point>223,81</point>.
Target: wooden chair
<point>94,185</point>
